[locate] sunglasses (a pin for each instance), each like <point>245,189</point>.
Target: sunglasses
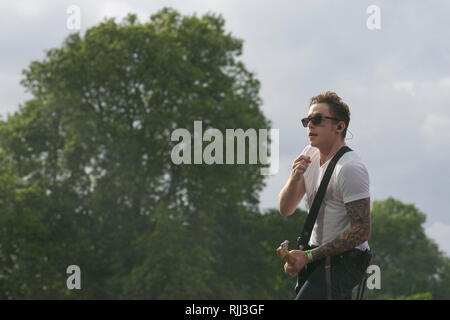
<point>316,120</point>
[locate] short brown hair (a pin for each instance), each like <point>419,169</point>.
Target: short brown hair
<point>337,107</point>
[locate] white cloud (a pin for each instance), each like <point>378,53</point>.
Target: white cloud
<point>30,9</point>
<point>444,83</point>
<point>407,86</point>
<point>120,9</point>
<point>440,232</point>
<point>436,129</point>
<point>114,9</point>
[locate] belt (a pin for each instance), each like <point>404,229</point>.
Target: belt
<point>352,252</point>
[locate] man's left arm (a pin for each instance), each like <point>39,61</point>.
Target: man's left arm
<point>358,212</point>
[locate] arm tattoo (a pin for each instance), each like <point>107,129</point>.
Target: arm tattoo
<point>359,214</point>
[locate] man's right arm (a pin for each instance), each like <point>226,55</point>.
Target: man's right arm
<point>294,190</point>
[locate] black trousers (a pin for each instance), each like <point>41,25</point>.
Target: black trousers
<point>346,274</point>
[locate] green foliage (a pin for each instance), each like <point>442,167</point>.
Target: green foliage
<point>410,263</point>
<point>89,178</point>
<point>417,296</point>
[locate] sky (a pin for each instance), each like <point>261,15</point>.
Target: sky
<point>395,78</point>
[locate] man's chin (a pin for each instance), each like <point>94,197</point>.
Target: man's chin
<point>313,144</point>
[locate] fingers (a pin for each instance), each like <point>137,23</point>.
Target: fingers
<point>300,167</point>
<point>303,157</point>
<point>288,269</point>
<point>301,164</point>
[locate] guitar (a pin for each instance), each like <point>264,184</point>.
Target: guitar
<point>283,253</point>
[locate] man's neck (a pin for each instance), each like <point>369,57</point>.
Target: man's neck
<point>326,154</point>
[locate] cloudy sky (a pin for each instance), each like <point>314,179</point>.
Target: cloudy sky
<point>395,79</point>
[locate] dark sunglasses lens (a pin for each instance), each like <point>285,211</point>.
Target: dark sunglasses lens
<point>305,122</point>
<point>316,120</point>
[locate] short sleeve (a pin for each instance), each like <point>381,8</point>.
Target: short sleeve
<point>353,182</point>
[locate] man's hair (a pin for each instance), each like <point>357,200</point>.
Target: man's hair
<point>337,107</point>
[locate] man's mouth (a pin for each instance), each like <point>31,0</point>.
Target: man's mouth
<point>312,134</point>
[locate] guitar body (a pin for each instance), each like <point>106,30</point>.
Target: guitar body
<point>304,274</point>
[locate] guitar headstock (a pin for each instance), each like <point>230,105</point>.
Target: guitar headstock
<point>282,250</point>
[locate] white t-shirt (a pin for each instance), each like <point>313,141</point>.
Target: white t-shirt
<point>349,182</point>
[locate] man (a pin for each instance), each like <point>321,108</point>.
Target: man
<point>342,227</point>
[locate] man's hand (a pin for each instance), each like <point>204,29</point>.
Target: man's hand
<point>299,166</point>
<point>300,260</point>
<point>294,190</point>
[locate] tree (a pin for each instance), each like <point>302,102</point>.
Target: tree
<point>418,296</point>
<point>410,263</point>
<point>93,146</point>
